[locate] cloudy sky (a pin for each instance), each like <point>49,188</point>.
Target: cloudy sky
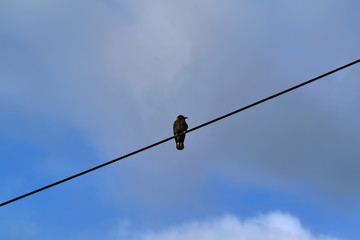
<point>83,82</point>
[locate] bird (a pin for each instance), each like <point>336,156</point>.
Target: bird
<point>180,128</point>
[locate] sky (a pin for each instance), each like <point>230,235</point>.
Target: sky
<point>84,82</point>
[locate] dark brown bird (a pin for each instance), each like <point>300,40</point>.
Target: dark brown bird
<point>180,128</point>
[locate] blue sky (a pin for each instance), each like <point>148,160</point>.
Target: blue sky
<point>83,82</point>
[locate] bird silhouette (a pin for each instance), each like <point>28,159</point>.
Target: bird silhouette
<point>180,128</point>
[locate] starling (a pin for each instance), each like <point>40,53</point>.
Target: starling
<point>180,128</point>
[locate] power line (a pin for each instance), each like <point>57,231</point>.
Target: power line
<point>169,138</point>
<point>273,96</point>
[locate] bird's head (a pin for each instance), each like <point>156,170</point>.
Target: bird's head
<point>181,117</point>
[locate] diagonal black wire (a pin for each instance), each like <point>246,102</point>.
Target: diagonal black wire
<point>274,96</point>
<point>169,138</point>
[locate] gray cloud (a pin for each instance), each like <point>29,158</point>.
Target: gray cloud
<point>122,80</point>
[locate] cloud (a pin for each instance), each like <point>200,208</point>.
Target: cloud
<point>123,78</point>
<point>271,226</point>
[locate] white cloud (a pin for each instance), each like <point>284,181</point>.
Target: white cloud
<point>271,226</point>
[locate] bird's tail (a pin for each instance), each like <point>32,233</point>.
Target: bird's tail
<point>179,145</point>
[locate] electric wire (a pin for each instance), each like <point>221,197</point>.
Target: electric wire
<point>169,138</point>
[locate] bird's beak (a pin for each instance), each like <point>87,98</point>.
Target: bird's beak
<point>185,117</point>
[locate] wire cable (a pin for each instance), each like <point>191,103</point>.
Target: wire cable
<point>169,138</point>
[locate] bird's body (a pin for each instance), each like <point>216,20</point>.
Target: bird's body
<point>180,128</point>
